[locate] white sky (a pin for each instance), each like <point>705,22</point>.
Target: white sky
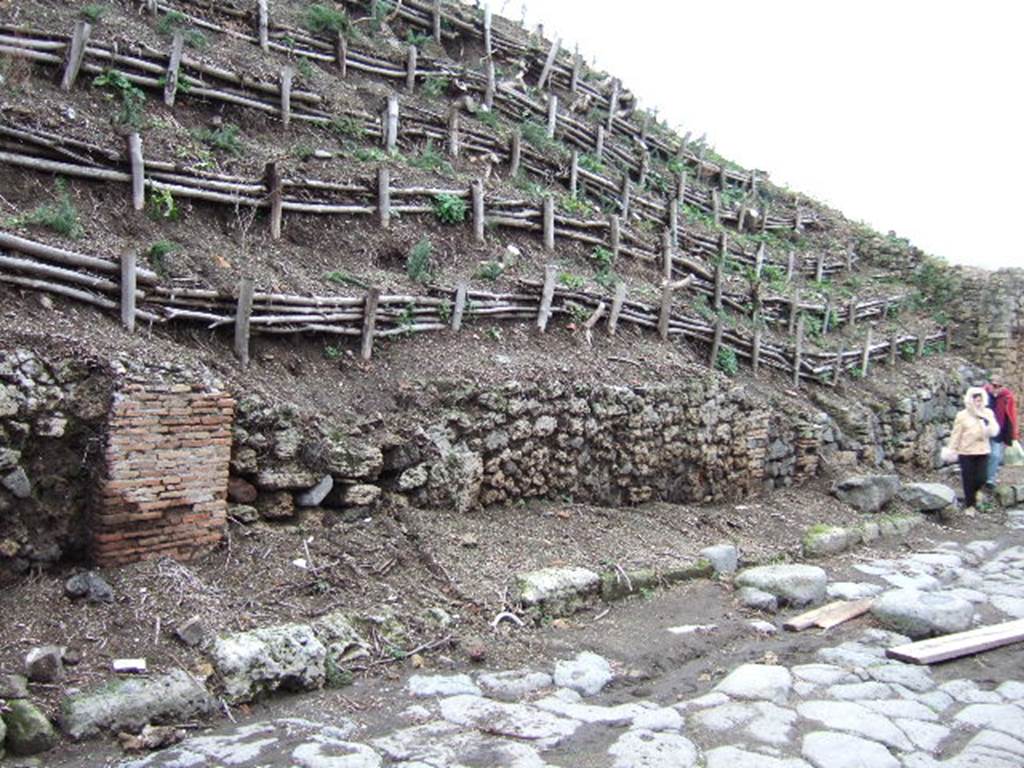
<point>905,114</point>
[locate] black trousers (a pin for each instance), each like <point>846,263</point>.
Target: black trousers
<point>973,470</point>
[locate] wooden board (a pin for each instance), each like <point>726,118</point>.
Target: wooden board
<point>829,615</point>
<point>959,644</point>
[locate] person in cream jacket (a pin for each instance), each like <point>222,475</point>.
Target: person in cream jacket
<point>973,427</point>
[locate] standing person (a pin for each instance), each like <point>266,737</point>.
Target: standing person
<point>972,429</point>
<point>1004,406</point>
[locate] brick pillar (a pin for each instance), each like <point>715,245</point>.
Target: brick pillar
<point>164,489</point>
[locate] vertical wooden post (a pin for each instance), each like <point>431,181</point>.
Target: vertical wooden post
<point>700,163</point>
<point>552,115</point>
<point>645,162</point>
<point>624,200</point>
<point>128,284</point>
<point>577,67</point>
<point>384,196</point>
<point>666,254</point>
<point>752,183</point>
<point>849,260</point>
<point>681,188</point>
<point>798,223</point>
<point>613,105</point>
<point>794,310</point>
<point>488,39</point>
<point>798,350</point>
<point>410,69</point>
<point>549,63</point>
<point>341,53</point>
<point>460,306</point>
<point>75,54</point>
<point>491,86</point>
<point>716,343</point>
<point>515,153</point>
<point>919,348</point>
<point>614,236</point>
<point>138,171</point>
<point>369,321</point>
<point>617,302</point>
<point>852,309</point>
<point>819,268</point>
<point>243,313</point>
<point>547,294</point>
<point>665,310</point>
<point>173,65</point>
<point>263,24</point>
<point>755,355</point>
<point>477,193</point>
<point>893,349</point>
<point>273,183</point>
<point>673,221</point>
<point>759,262</point>
<point>549,223</point>
<point>765,213</point>
<point>837,366</point>
<point>865,355</point>
<point>437,21</point>
<point>287,73</point>
<point>574,173</point>
<point>599,143</point>
<point>885,309</point>
<point>391,124</point>
<point>723,254</point>
<point>716,207</point>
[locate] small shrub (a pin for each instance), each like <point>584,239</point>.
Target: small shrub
<point>133,100</point>
<point>93,12</point>
<point>175,21</point>
<point>332,352</point>
<point>607,278</point>
<point>449,209</point>
<point>305,68</point>
<point>417,263</point>
<point>435,87</point>
<point>726,361</point>
<point>571,281</point>
<point>602,257</point>
<point>347,126</point>
<point>537,135</point>
<point>304,151</point>
<point>429,159</point>
<point>371,155</point>
<point>578,312</point>
<point>161,205</point>
<point>489,270</point>
<point>773,274</point>
<point>61,216</point>
<point>574,205</point>
<point>344,278</point>
<point>487,117</point>
<point>225,138</point>
<point>321,19</point>
<point>591,163</point>
<point>416,38</point>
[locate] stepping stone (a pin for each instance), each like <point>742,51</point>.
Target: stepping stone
<point>839,750</point>
<point>517,721</point>
<point>926,736</point>
<point>588,673</point>
<point>852,590</point>
<point>856,719</point>
<point>928,497</point>
<point>758,682</point>
<point>514,684</point>
<point>1008,718</point>
<point>723,558</point>
<point>795,585</point>
<point>757,599</point>
<point>733,757</point>
<point>423,686</point>
<point>922,614</point>
<point>651,749</point>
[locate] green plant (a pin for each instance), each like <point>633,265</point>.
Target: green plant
<point>133,100</point>
<point>813,325</point>
<point>449,209</point>
<point>523,183</point>
<point>429,159</point>
<point>774,275</point>
<point>407,319</point>
<point>571,281</point>
<point>160,249</point>
<point>344,278</point>
<point>591,163</point>
<point>416,38</point>
<point>93,12</point>
<point>347,126</point>
<point>175,21</point>
<point>487,117</point>
<point>161,205</point>
<point>537,135</point>
<point>578,312</point>
<point>320,19</point>
<point>489,270</point>
<point>607,279</point>
<point>603,257</point>
<point>703,308</point>
<point>435,86</point>
<point>61,215</point>
<point>417,263</point>
<point>305,68</point>
<point>445,311</point>
<point>332,352</point>
<point>304,151</point>
<point>573,204</point>
<point>371,155</point>
<point>494,334</point>
<point>379,11</point>
<point>225,138</point>
<point>726,361</point>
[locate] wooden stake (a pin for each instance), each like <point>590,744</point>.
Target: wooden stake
<point>723,254</point>
<point>577,67</point>
<point>614,236</point>
<point>263,23</point>
<point>716,343</point>
<point>613,104</point>
<point>552,115</point>
<point>410,69</point>
<point>273,183</point>
<point>460,307</point>
<point>865,356</point>
<point>243,312</point>
<point>673,221</point>
<point>549,63</point>
<point>516,153</point>
<point>549,224</point>
<point>588,326</point>
<point>759,262</point>
<point>852,312</point>
<point>798,352</point>
<point>548,293</point>
<point>700,163</point>
<point>819,268</point>
<point>488,42</point>
<point>173,65</point>
<point>624,199</point>
<point>138,171</point>
<point>620,298</point>
<point>384,196</point>
<point>681,188</point>
<point>755,356</point>
<point>287,73</point>
<point>794,310</point>
<point>75,54</point>
<point>128,286</point>
<point>893,349</point>
<point>825,318</point>
<point>491,86</point>
<point>645,160</point>
<point>665,310</point>
<point>437,21</point>
<point>765,213</point>
<point>574,173</point>
<point>369,322</point>
<point>716,207</point>
<point>790,266</point>
<point>599,143</point>
<point>837,366</point>
<point>477,194</point>
<point>341,54</point>
<point>391,124</point>
<point>666,255</point>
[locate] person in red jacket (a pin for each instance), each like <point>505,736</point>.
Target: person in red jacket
<point>1004,405</point>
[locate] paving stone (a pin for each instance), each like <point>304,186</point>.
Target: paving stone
<point>723,557</point>
<point>652,749</point>
<point>858,691</point>
<point>937,701</point>
<point>661,719</point>
<point>910,710</point>
<point>588,673</point>
<point>926,736</point>
<point>500,718</point>
<point>970,595</point>
<point>839,750</point>
<point>713,699</point>
<point>856,719</point>
<point>1008,718</point>
<point>325,753</point>
<point>758,682</point>
<point>822,674</point>
<point>443,744</point>
<point>851,654</point>
<point>726,717</point>
<point>734,757</point>
<point>1011,690</point>
<point>913,677</point>
<point>998,741</point>
<point>573,708</point>
<point>514,684</point>
<point>423,686</point>
<point>922,614</point>
<point>757,599</point>
<point>923,582</point>
<point>1011,606</point>
<point>852,590</point>
<point>968,692</point>
<point>773,725</point>
<point>795,585</point>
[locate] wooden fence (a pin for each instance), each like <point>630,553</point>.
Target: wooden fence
<point>119,286</point>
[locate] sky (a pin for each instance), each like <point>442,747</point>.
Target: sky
<point>903,114</point>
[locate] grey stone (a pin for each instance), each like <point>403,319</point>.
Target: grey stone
<point>276,506</point>
<point>757,599</point>
<point>518,721</point>
<point>822,674</point>
<point>514,684</point>
<point>28,730</point>
<point>129,704</point>
<point>858,691</point>
<point>352,459</point>
<point>852,590</point>
<point>734,757</point>
<point>793,584</point>
<point>923,735</point>
<point>902,708</point>
<point>91,586</point>
<point>343,641</point>
<point>568,703</point>
<point>840,750</point>
<point>643,748</point>
<point>773,724</point>
<point>588,673</point>
<point>45,664</point>
<point>191,632</point>
<point>726,717</point>
<point>1008,718</point>
<point>763,682</point>
<point>414,477</point>
<point>661,719</point>
<point>442,685</point>
<point>821,541</point>
<point>922,614</point>
<point>867,493</point>
<point>9,458</point>
<point>456,478</point>
<point>917,679</point>
<point>928,497</point>
<point>550,584</point>
<point>17,483</point>
<point>724,558</point>
<point>361,495</point>
<point>286,478</point>
<point>243,513</point>
<point>263,660</point>
<point>13,687</point>
<point>315,495</point>
<point>853,718</point>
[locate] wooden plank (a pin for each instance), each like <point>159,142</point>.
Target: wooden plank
<point>128,285</point>
<point>477,195</point>
<point>76,52</point>
<point>460,307</point>
<point>369,322</point>
<point>830,615</point>
<point>617,302</point>
<point>384,196</point>
<point>173,66</point>
<point>138,166</point>
<point>549,62</point>
<point>243,314</point>
<point>548,293</point>
<point>959,644</point>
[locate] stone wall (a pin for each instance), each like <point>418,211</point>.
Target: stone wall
<point>164,489</point>
<point>990,322</point>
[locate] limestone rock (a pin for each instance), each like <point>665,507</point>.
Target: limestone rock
<point>554,587</point>
<point>343,641</point>
<point>413,478</point>
<point>285,478</point>
<point>588,673</point>
<point>315,495</point>
<point>28,730</point>
<point>928,497</point>
<point>243,513</point>
<point>757,599</point>
<point>363,495</point>
<point>840,750</point>
<point>456,478</point>
<point>792,584</point>
<point>275,506</point>
<point>131,703</point>
<point>442,685</point>
<point>922,614</point>
<point>17,483</point>
<point>514,684</point>
<point>91,586</point>
<point>241,491</point>
<point>191,632</point>
<point>353,459</point>
<point>44,664</point>
<point>13,687</point>
<point>724,558</point>
<point>758,682</point>
<point>821,541</point>
<point>289,657</point>
<point>653,749</point>
<point>867,493</point>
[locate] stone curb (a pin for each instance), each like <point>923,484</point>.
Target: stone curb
<point>826,540</point>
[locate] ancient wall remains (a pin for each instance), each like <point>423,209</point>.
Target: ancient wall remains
<point>990,322</point>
